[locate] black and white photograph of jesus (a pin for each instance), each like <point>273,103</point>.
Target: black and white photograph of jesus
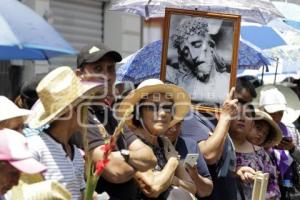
<point>199,56</point>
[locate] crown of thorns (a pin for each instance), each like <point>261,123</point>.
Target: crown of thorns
<point>187,28</point>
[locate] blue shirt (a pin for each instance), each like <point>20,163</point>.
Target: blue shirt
<point>185,146</point>
<point>197,126</point>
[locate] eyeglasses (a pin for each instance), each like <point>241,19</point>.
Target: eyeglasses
<point>156,107</point>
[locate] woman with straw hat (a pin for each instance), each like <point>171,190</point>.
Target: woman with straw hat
<point>265,131</point>
<point>157,107</point>
<point>251,158</point>
<point>60,94</point>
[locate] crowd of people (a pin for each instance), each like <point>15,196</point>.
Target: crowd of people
<point>43,152</point>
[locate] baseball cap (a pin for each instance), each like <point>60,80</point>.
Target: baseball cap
<point>14,149</point>
<point>272,100</point>
<point>10,110</point>
<point>94,52</point>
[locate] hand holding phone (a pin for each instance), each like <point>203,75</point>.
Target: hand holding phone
<point>191,159</point>
<point>286,143</point>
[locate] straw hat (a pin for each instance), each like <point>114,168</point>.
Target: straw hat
<point>276,134</point>
<point>9,110</point>
<point>45,190</point>
<point>58,91</point>
<point>180,98</point>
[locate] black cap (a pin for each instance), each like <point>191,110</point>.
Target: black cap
<point>94,52</point>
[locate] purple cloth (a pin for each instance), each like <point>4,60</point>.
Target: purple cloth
<point>283,157</point>
<point>259,160</point>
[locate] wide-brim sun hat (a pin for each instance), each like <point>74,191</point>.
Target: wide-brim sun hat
<point>179,96</point>
<point>59,91</point>
<point>14,149</point>
<point>45,190</point>
<point>10,110</point>
<point>276,134</point>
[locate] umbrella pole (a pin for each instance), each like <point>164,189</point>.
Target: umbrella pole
<point>262,75</point>
<point>277,60</point>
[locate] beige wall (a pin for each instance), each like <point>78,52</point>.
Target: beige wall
<point>122,31</point>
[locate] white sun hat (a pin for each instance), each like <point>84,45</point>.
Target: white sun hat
<point>10,110</point>
<point>272,100</point>
<point>292,109</point>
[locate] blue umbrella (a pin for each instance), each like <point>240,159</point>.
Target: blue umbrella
<point>292,23</point>
<point>264,37</point>
<point>145,63</point>
<point>26,35</point>
<point>249,58</point>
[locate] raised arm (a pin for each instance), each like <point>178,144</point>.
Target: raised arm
<point>212,148</point>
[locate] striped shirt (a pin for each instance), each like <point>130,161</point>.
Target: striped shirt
<point>70,173</point>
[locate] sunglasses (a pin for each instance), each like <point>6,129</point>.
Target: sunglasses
<point>156,107</point>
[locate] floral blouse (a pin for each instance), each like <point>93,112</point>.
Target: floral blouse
<point>259,160</point>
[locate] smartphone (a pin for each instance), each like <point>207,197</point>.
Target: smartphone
<point>191,159</point>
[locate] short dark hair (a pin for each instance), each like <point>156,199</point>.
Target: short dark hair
<point>28,95</point>
<point>242,83</point>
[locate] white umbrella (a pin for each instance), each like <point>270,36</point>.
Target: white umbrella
<point>278,42</point>
<point>259,11</point>
<point>288,10</point>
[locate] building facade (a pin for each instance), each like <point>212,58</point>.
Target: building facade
<point>79,22</point>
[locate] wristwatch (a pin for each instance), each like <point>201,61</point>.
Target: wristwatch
<point>125,154</point>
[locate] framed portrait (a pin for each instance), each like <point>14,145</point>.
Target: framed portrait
<point>200,52</point>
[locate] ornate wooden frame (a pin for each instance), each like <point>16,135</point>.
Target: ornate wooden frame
<point>231,21</point>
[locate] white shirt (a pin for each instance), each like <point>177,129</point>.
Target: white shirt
<point>70,173</point>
